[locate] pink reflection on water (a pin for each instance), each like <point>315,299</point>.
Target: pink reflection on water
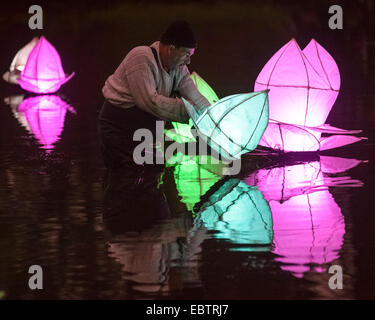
<point>43,72</point>
<point>308,224</point>
<point>303,87</point>
<point>45,116</point>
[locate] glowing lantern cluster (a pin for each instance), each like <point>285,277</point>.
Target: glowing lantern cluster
<point>40,67</point>
<point>304,85</point>
<point>233,125</point>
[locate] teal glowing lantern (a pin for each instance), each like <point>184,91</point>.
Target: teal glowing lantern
<point>233,125</point>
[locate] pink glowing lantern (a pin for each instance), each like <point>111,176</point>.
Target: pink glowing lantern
<point>45,116</point>
<point>308,224</point>
<point>43,72</point>
<point>303,88</point>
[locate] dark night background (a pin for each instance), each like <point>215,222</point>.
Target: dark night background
<point>235,40</point>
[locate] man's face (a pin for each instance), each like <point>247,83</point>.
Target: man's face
<point>179,56</point>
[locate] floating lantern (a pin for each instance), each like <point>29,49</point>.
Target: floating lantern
<point>233,125</point>
<point>308,224</point>
<point>19,62</point>
<point>45,116</point>
<point>240,214</point>
<point>43,72</point>
<point>182,133</point>
<point>303,88</point>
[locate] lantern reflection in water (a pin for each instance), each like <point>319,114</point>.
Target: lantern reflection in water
<point>43,116</point>
<point>308,224</point>
<point>240,214</point>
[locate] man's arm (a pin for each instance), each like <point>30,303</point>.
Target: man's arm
<point>141,81</point>
<point>189,91</point>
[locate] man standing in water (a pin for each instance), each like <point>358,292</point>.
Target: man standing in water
<point>142,91</point>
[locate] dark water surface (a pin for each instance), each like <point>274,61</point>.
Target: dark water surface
<point>271,232</point>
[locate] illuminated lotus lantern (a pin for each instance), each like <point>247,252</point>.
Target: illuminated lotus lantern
<point>181,132</point>
<point>240,214</point>
<point>303,87</point>
<point>43,72</point>
<point>19,62</point>
<point>194,175</point>
<point>308,224</point>
<point>45,116</point>
<point>233,125</point>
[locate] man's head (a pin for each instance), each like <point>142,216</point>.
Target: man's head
<point>177,44</point>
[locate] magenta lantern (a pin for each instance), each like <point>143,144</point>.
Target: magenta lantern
<point>303,88</point>
<point>43,72</point>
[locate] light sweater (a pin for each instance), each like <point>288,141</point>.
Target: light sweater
<point>141,81</point>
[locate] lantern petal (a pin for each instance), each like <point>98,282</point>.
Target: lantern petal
<point>323,63</point>
<point>326,128</point>
<point>289,137</point>
<point>293,138</point>
<point>336,141</point>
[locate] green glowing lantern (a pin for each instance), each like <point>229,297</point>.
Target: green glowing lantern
<point>181,132</point>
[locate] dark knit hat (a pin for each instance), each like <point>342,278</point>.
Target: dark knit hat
<point>179,33</point>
